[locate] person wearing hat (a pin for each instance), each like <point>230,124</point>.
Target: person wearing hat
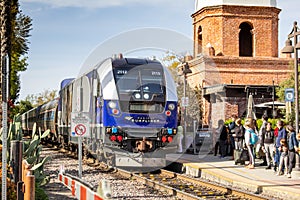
<point>292,148</point>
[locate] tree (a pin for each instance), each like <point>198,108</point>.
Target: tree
<point>5,53</point>
<point>22,27</point>
<point>280,92</point>
<point>20,108</point>
<point>195,109</point>
<point>288,83</point>
<point>41,98</point>
<point>14,43</point>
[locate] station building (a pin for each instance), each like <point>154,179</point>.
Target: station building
<point>235,55</point>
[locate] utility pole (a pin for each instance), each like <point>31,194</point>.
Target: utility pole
<point>5,55</point>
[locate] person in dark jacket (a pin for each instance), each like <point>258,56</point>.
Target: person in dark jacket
<point>231,127</point>
<point>238,134</point>
<point>281,135</point>
<point>223,134</point>
<point>267,144</point>
<point>259,151</point>
<point>292,148</point>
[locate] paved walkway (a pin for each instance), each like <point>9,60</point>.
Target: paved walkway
<point>224,171</point>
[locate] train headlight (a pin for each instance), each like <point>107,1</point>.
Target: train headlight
<point>146,96</point>
<point>112,104</point>
<point>137,95</point>
<point>171,106</point>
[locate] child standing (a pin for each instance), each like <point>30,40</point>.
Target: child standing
<point>283,161</point>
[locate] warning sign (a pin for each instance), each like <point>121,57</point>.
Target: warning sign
<point>80,123</point>
<point>80,129</point>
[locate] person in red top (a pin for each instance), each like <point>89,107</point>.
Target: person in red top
<point>276,132</point>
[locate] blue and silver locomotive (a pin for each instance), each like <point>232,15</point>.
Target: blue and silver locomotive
<point>132,105</point>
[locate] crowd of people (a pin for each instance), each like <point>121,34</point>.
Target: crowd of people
<point>276,147</point>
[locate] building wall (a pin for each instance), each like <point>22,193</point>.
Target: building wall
<point>239,71</point>
<point>218,62</point>
<point>220,28</point>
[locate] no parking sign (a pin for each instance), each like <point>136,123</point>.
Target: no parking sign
<point>80,124</point>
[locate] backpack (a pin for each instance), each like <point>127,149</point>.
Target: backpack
<point>253,137</point>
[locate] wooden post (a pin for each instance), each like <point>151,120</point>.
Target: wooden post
<point>20,190</point>
<point>25,169</point>
<point>29,187</point>
<point>29,181</point>
<point>16,159</point>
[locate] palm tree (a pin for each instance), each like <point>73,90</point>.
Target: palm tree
<point>5,43</point>
<point>5,53</point>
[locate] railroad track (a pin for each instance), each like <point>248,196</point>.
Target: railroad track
<point>184,187</point>
<point>171,185</point>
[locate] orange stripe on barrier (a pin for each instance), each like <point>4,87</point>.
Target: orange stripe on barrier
<point>66,181</point>
<point>82,193</point>
<point>60,177</point>
<point>73,187</point>
<point>96,197</point>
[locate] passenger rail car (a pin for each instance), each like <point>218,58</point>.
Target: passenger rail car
<point>28,120</point>
<point>47,118</point>
<point>132,105</point>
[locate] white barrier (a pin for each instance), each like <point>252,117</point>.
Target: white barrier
<point>78,190</point>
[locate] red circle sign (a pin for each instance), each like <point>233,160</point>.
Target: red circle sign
<point>80,129</point>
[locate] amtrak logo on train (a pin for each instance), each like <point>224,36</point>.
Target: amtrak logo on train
<point>140,119</point>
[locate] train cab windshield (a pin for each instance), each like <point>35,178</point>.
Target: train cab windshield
<point>141,88</point>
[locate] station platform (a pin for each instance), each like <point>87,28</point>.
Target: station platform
<point>225,172</point>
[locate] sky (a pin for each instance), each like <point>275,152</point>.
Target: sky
<point>67,32</point>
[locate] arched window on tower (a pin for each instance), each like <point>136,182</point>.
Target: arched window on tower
<point>246,40</point>
<point>199,39</point>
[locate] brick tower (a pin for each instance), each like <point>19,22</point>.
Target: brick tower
<point>235,54</point>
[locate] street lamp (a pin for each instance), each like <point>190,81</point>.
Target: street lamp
<point>293,49</point>
<point>185,70</point>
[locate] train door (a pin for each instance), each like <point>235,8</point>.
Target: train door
<point>81,98</point>
<point>97,102</point>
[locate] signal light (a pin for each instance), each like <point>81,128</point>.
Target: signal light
<point>114,129</point>
<point>164,139</point>
<point>168,113</point>
<point>170,139</point>
<point>115,111</point>
<point>113,138</point>
<point>108,130</point>
<point>120,138</point>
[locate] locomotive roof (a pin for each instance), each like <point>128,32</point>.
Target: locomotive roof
<point>132,62</point>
